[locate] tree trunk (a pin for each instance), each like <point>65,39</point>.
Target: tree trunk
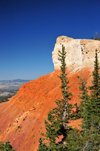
<point>65,110</point>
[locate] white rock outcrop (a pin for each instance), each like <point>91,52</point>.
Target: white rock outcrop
<point>79,52</point>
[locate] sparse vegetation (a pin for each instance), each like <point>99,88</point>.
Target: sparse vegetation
<point>96,37</point>
<point>6,146</point>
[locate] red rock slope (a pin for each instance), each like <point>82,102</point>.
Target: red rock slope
<point>22,118</point>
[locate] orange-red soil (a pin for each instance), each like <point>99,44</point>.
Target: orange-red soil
<point>22,118</point>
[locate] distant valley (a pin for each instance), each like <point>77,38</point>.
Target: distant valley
<point>12,84</point>
<point>8,88</point>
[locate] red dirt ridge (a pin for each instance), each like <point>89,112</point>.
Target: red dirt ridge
<point>22,118</point>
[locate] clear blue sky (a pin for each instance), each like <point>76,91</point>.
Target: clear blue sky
<point>29,28</point>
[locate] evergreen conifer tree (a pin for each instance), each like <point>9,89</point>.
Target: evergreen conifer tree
<point>56,123</point>
<point>90,112</point>
<point>82,137</point>
<point>96,36</point>
<point>84,107</point>
<point>95,104</point>
<point>95,89</point>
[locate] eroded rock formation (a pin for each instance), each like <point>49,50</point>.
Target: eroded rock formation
<point>80,52</point>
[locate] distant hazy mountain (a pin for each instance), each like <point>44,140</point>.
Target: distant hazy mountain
<point>20,80</point>
<point>16,80</point>
<point>12,84</point>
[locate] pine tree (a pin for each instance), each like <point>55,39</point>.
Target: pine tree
<point>90,112</point>
<point>96,36</point>
<point>84,107</point>
<point>82,137</point>
<point>95,103</point>
<point>56,123</point>
<point>82,95</point>
<point>95,88</point>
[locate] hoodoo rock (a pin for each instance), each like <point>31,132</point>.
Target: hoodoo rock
<point>79,52</point>
<point>22,118</point>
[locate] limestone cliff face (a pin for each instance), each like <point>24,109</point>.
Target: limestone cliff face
<point>80,52</point>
